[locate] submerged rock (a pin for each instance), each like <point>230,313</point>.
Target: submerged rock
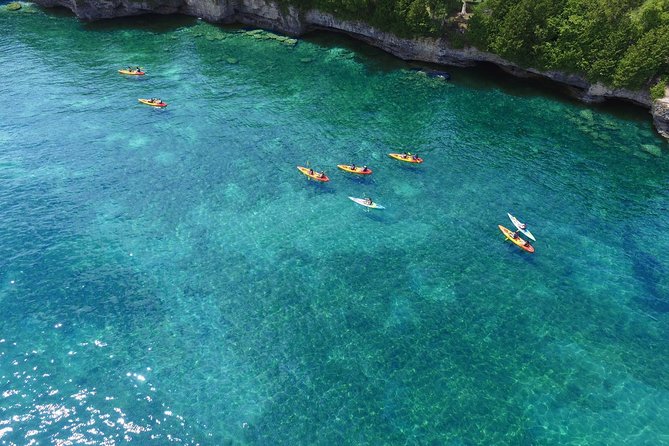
<point>434,74</point>
<point>652,149</point>
<point>13,6</point>
<point>261,34</point>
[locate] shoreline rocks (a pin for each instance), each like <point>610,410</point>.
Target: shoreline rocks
<point>660,114</point>
<point>288,20</point>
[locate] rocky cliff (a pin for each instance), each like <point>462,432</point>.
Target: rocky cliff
<point>661,115</point>
<point>288,20</point>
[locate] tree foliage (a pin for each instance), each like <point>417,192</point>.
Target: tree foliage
<point>622,43</point>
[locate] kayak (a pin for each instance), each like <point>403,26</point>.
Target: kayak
<point>363,202</point>
<point>314,175</point>
<point>405,158</point>
<point>518,242</point>
<point>357,170</point>
<point>152,104</point>
<point>519,226</point>
<point>132,73</point>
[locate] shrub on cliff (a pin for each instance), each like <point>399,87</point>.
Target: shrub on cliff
<point>622,43</point>
<point>658,90</point>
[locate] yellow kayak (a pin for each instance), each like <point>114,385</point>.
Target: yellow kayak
<point>132,73</point>
<point>313,174</point>
<point>406,157</point>
<point>518,241</point>
<point>151,103</point>
<point>358,170</point>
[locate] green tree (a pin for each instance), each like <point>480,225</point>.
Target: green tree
<point>645,59</point>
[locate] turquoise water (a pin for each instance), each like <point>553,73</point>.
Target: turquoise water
<point>168,276</point>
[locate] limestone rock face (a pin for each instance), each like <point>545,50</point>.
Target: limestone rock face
<point>210,10</point>
<point>661,116</point>
<point>288,20</point>
<point>107,9</point>
<point>267,14</point>
<point>598,93</point>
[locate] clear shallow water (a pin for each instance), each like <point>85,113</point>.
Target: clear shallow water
<point>168,276</point>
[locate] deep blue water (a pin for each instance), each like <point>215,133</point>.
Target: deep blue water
<point>168,276</point>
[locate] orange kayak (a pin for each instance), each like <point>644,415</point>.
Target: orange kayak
<point>520,242</point>
<point>406,158</point>
<point>358,170</point>
<point>315,175</point>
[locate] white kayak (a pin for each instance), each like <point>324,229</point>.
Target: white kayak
<point>363,202</point>
<point>519,226</point>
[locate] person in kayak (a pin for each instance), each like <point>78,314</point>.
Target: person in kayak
<point>368,201</point>
<point>321,174</point>
<point>365,169</point>
<point>515,235</point>
<point>311,171</point>
<point>414,157</point>
<point>352,166</point>
<point>138,70</point>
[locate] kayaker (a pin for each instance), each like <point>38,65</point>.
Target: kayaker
<point>321,174</point>
<point>414,157</point>
<point>352,166</point>
<point>311,171</point>
<point>365,169</point>
<point>139,70</point>
<point>404,155</point>
<point>515,235</point>
<point>368,201</point>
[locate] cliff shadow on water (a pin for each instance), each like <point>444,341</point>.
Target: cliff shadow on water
<point>487,75</point>
<point>150,22</point>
